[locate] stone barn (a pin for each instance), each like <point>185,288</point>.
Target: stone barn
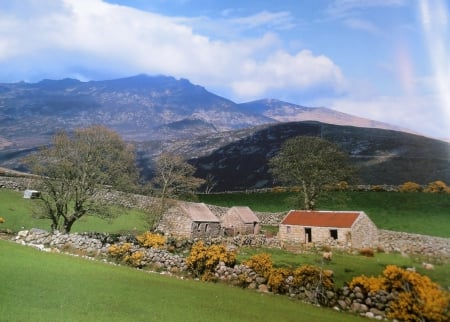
<point>240,221</point>
<point>342,228</point>
<point>190,220</point>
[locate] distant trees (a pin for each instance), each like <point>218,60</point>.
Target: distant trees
<point>75,167</point>
<point>311,163</point>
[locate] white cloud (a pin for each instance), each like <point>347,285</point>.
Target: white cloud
<point>419,114</point>
<point>302,71</point>
<point>91,37</point>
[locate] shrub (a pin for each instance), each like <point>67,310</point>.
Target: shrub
<point>437,187</point>
<point>277,280</point>
<point>202,260</point>
<point>315,279</point>
<point>310,276</point>
<point>2,220</point>
<point>368,252</point>
<point>261,263</point>
<point>367,284</point>
<point>377,188</point>
<point>149,239</point>
<point>342,186</point>
<point>119,251</point>
<point>410,187</point>
<point>418,298</point>
<point>278,189</point>
<point>134,259</point>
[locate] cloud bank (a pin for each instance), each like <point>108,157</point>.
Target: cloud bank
<point>92,39</point>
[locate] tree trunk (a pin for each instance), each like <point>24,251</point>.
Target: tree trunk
<point>68,225</point>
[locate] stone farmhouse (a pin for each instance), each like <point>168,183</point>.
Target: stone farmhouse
<point>240,221</point>
<point>190,220</point>
<point>341,228</point>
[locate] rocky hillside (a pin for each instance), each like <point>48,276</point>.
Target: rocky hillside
<point>383,156</point>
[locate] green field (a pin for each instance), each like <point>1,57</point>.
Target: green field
<point>17,213</point>
<point>420,213</point>
<point>37,286</point>
<point>346,266</point>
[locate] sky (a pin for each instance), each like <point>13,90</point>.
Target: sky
<point>387,60</point>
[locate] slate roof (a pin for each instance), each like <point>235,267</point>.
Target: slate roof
<point>337,219</point>
<point>246,214</point>
<point>198,212</point>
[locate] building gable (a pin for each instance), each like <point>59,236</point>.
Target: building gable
<point>246,215</point>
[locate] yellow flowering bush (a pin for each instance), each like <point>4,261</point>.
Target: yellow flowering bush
<point>2,220</point>
<point>261,263</point>
<point>202,260</point>
<point>134,259</point>
<point>149,239</point>
<point>437,187</point>
<point>368,284</point>
<point>419,298</point>
<point>277,279</point>
<point>119,251</point>
<point>410,186</point>
<point>309,275</point>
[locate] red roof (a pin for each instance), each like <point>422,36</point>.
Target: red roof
<point>336,219</point>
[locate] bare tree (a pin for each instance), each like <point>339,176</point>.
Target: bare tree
<point>311,163</point>
<point>74,168</point>
<point>174,178</point>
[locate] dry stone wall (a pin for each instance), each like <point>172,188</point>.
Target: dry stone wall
<point>393,241</point>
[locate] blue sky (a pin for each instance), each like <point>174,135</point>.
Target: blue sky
<point>388,60</point>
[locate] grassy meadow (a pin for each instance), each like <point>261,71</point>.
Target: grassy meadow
<point>17,213</point>
<point>420,213</point>
<point>38,286</point>
<point>41,286</point>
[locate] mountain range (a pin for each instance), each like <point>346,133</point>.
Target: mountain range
<point>163,113</point>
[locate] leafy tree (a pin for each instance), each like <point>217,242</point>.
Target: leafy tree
<point>311,163</point>
<point>174,178</point>
<point>73,169</point>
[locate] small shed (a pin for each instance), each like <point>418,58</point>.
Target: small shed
<point>31,194</point>
<point>346,228</point>
<point>190,220</point>
<point>240,221</point>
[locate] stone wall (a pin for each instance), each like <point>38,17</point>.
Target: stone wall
<point>393,241</point>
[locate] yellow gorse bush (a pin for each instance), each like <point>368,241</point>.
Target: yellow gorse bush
<point>419,299</point>
<point>311,275</point>
<point>368,284</point>
<point>410,186</point>
<point>261,263</point>
<point>134,259</point>
<point>202,260</point>
<point>149,239</point>
<point>277,279</point>
<point>2,220</point>
<point>437,187</point>
<point>119,251</point>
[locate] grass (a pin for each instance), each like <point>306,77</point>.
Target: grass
<point>346,266</point>
<point>420,213</point>
<point>37,286</point>
<point>17,213</point>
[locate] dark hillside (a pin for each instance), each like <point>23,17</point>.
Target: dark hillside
<point>383,156</point>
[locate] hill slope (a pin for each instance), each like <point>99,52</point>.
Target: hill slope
<point>383,156</point>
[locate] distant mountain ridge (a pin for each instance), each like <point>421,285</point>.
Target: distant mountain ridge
<point>229,140</point>
<point>288,112</point>
<point>140,108</point>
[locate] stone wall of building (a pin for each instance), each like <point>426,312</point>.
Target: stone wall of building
<point>364,233</point>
